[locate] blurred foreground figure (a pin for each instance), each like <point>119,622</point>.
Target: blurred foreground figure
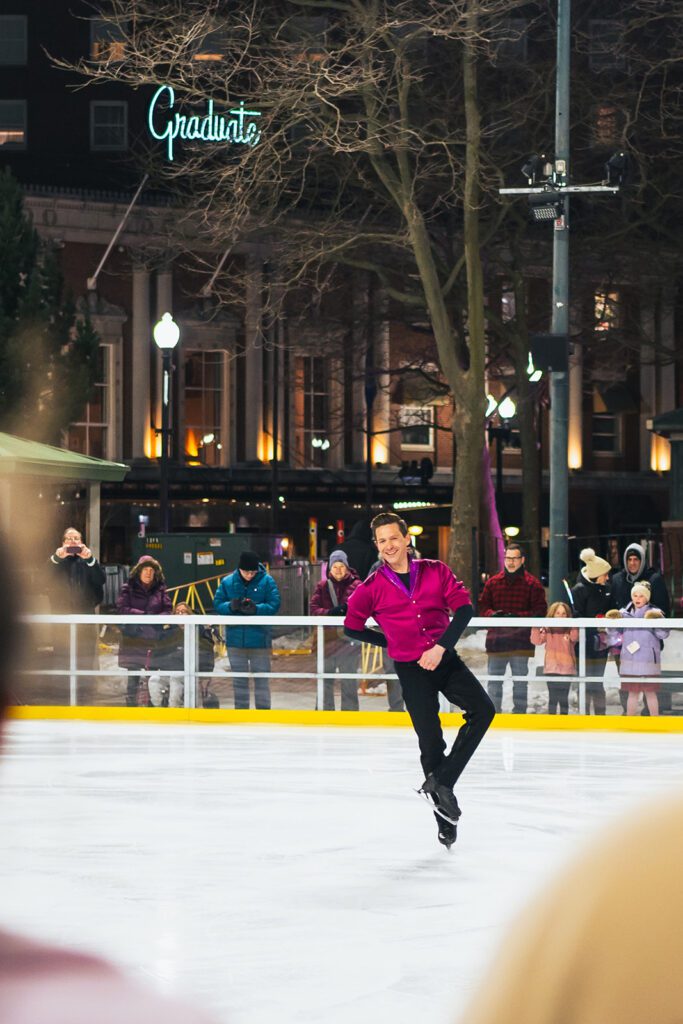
<point>599,948</point>
<point>42,984</point>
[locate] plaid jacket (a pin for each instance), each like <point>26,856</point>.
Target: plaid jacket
<point>517,594</point>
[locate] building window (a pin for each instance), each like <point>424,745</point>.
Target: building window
<point>108,125</point>
<point>606,434</point>
<point>315,410</point>
<point>510,41</point>
<point>508,303</point>
<point>417,427</point>
<point>604,39</point>
<point>89,436</point>
<point>107,41</point>
<point>12,40</point>
<point>605,310</point>
<point>203,403</point>
<point>12,124</point>
<point>608,123</point>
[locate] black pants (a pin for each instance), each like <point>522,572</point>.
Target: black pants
<point>421,690</point>
<point>558,697</point>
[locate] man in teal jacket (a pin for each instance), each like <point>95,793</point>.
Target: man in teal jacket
<point>249,590</point>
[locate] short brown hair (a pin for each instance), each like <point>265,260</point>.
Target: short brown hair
<point>389,519</point>
<point>513,546</point>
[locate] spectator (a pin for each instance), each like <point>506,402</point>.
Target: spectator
<point>76,585</point>
<point>330,597</point>
<point>169,691</point>
<point>592,597</point>
<point>585,954</point>
<point>360,549</point>
<point>636,570</point>
<point>560,655</point>
<point>512,592</point>
<point>641,651</point>
<point>47,984</point>
<point>144,593</point>
<point>249,590</point>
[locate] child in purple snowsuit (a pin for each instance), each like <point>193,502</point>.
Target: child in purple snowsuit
<point>641,651</point>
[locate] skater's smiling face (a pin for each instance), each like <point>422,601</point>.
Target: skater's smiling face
<point>392,546</point>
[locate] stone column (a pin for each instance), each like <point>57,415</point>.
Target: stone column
<point>648,386</point>
<point>92,518</point>
<point>381,410</point>
<point>254,361</point>
<point>575,443</point>
<point>140,363</point>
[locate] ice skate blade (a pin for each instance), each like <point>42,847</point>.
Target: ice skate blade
<point>435,808</point>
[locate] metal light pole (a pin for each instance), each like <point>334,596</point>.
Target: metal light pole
<point>559,381</point>
<point>166,335</point>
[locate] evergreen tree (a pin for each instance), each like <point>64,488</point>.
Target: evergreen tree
<point>48,357</point>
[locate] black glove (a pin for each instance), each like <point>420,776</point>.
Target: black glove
<point>236,605</point>
<point>248,606</point>
<point>339,610</point>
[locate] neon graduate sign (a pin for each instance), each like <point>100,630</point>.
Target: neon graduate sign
<point>236,127</point>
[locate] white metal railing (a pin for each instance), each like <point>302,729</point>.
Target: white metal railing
<point>316,626</point>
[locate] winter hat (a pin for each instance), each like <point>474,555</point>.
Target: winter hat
<point>338,556</point>
<point>595,566</point>
<point>249,561</point>
<point>641,588</point>
<point>634,549</point>
<point>145,562</point>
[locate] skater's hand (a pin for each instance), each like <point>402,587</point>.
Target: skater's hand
<point>431,659</point>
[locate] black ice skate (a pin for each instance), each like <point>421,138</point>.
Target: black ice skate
<point>443,798</point>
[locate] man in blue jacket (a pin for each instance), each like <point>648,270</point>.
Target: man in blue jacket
<point>249,590</point>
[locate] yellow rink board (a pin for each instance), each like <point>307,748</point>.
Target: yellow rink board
<point>400,719</point>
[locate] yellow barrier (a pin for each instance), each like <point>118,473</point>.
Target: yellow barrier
<point>228,716</point>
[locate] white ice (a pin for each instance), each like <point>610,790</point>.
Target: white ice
<point>272,872</point>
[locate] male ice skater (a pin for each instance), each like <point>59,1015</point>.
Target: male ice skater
<point>410,599</point>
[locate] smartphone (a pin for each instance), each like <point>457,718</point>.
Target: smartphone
<point>74,549</point>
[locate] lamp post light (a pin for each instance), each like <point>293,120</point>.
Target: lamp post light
<point>166,336</point>
<point>506,411</point>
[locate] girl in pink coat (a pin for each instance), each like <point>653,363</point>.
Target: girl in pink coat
<point>560,656</point>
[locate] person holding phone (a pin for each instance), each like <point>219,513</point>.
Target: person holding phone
<point>76,588</point>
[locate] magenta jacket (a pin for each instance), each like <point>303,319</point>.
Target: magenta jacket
<point>412,621</point>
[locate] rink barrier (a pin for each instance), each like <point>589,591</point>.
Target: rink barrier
<point>190,675</point>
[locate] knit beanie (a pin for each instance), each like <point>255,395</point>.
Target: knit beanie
<point>249,561</point>
<point>338,556</point>
<point>595,566</point>
<point>641,588</point>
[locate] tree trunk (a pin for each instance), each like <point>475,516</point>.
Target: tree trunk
<point>468,428</point>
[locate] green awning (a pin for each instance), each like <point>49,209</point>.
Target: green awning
<point>21,457</point>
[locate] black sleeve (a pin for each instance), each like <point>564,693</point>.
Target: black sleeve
<point>456,627</point>
<point>366,636</point>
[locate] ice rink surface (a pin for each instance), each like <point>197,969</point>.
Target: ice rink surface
<point>290,874</point>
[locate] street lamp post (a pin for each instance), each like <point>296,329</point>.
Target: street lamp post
<point>166,335</point>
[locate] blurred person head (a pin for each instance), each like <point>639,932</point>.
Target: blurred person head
<point>596,569</point>
<point>559,610</point>
<point>148,571</point>
<point>514,558</point>
<point>598,947</point>
<point>640,594</point>
<point>248,565</point>
<point>338,565</point>
<point>182,608</point>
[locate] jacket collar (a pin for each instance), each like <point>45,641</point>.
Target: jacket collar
<point>414,570</point>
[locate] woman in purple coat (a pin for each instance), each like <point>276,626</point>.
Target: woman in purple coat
<point>144,594</point>
<point>331,597</point>
<point>641,651</point>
